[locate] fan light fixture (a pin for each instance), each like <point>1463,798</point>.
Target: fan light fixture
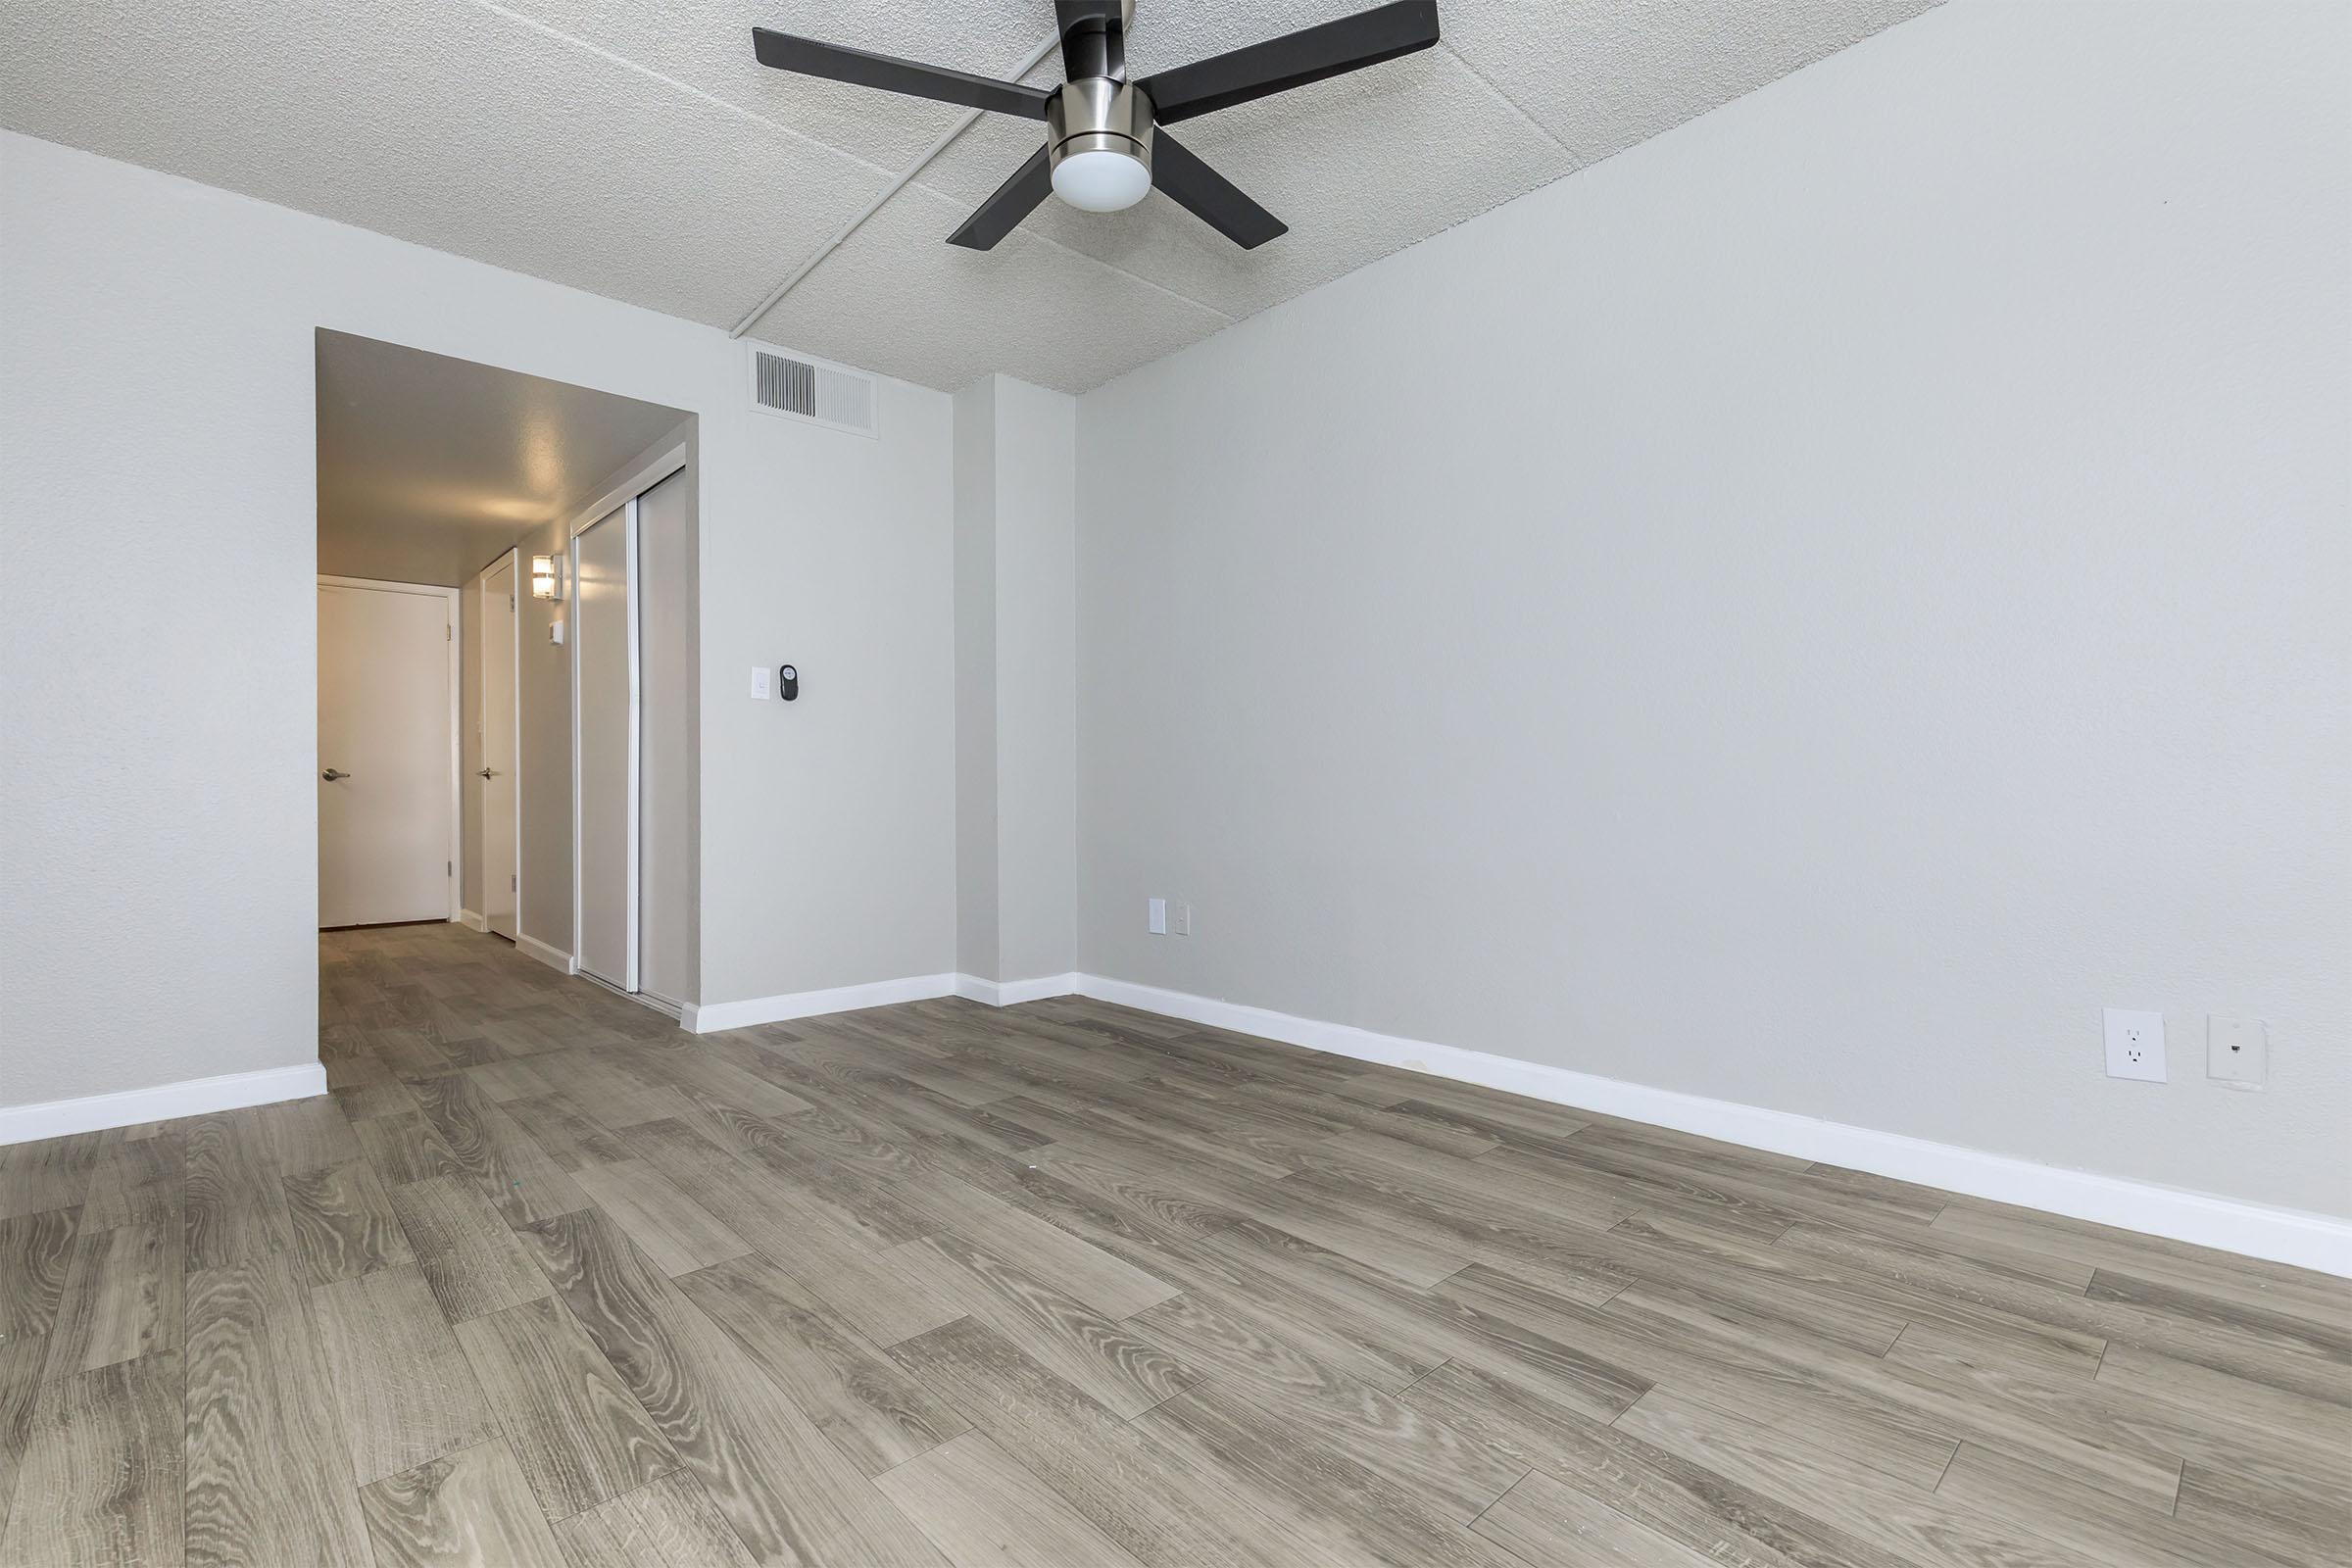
<point>1101,181</point>
<point>544,583</point>
<point>1106,147</point>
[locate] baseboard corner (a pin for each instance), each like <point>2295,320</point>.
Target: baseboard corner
<point>472,921</point>
<point>1013,993</point>
<point>711,1017</point>
<point>554,958</point>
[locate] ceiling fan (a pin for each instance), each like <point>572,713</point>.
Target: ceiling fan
<point>1106,147</point>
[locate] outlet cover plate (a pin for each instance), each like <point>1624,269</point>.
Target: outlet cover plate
<point>2238,1051</point>
<point>2135,1044</point>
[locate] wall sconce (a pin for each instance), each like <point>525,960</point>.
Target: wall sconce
<point>546,580</point>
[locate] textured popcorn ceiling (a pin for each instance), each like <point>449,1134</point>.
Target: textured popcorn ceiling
<point>638,150</point>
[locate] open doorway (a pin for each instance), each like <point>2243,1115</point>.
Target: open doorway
<point>484,663</point>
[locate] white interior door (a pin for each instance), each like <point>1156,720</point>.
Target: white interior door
<point>605,696</point>
<point>666,722</point>
<point>387,754</point>
<point>495,781</point>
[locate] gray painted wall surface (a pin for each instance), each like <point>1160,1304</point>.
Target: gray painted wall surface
<point>156,786</point>
<point>1804,611</point>
<point>976,885</point>
<point>1017,645</point>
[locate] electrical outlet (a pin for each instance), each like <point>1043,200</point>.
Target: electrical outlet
<point>2135,1045</point>
<point>1156,917</point>
<point>1184,920</point>
<point>2238,1051</point>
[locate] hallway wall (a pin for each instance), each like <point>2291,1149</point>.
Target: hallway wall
<point>157,804</point>
<point>1016,654</point>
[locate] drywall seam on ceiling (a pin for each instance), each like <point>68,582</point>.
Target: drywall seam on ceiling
<point>706,126</point>
<point>903,180</point>
<point>923,161</point>
<point>922,158</point>
<point>690,90</point>
<point>898,183</point>
<point>1506,100</point>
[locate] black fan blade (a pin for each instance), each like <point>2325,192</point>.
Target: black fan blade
<point>836,63</point>
<point>1293,60</point>
<point>1094,37</point>
<point>1006,206</point>
<point>1209,195</point>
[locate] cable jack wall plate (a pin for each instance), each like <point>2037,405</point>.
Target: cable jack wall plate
<point>2238,1051</point>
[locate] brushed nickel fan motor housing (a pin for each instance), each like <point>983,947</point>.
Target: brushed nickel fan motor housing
<point>1096,113</point>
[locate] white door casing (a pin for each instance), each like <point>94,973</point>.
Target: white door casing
<point>665,600</point>
<point>388,733</point>
<point>605,746</point>
<point>498,784</point>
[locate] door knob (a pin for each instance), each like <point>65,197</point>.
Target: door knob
<point>489,772</point>
<point>333,773</point>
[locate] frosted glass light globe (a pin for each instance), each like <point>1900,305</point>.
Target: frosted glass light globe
<point>1100,182</point>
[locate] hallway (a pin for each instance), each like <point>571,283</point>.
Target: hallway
<point>546,1282</point>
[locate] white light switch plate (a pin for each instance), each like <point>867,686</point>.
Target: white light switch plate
<point>1184,920</point>
<point>2135,1045</point>
<point>2238,1051</point>
<point>1156,917</point>
<point>555,630</point>
<point>760,682</point>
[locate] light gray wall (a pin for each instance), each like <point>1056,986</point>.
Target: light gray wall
<point>1037,679</point>
<point>1016,680</point>
<point>1804,611</point>
<point>843,801</point>
<point>158,833</point>
<point>976,884</point>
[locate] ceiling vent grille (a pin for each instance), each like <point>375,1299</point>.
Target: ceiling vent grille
<point>795,387</point>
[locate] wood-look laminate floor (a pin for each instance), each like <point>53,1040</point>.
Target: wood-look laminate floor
<point>548,1282</point>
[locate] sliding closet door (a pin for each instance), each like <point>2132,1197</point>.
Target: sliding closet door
<point>666,775</point>
<point>605,730</point>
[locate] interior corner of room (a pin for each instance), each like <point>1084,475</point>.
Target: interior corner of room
<point>1770,634</point>
<point>1364,782</point>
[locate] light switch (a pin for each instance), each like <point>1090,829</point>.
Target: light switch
<point>1156,917</point>
<point>554,631</point>
<point>760,682</point>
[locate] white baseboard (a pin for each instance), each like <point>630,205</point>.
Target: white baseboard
<point>1013,993</point>
<point>472,921</point>
<point>129,1108</point>
<point>712,1016</point>
<point>553,957</point>
<point>2281,1235</point>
